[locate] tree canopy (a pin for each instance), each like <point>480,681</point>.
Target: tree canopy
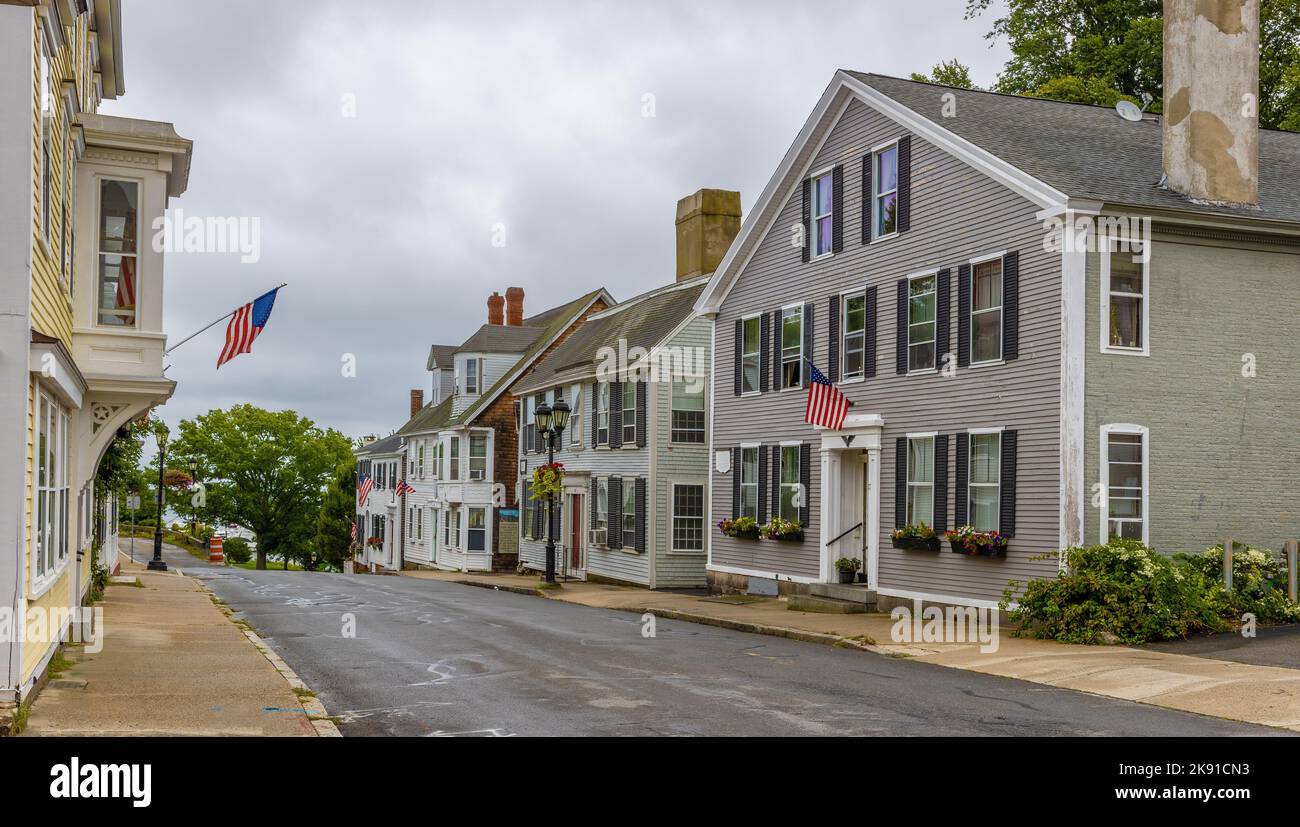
<point>334,524</point>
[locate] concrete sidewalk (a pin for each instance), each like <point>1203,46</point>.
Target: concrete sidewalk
<point>172,663</point>
<point>1265,695</point>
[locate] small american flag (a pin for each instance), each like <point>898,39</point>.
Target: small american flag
<point>354,532</point>
<point>403,488</point>
<point>827,405</point>
<point>246,325</point>
<point>363,490</point>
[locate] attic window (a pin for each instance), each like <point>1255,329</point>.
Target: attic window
<point>823,199</point>
<point>886,195</point>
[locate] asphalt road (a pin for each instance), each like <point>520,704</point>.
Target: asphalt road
<point>435,658</point>
<point>1272,646</point>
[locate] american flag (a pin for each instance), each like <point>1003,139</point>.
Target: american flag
<point>125,299</point>
<point>403,488</point>
<point>827,406</point>
<point>246,325</point>
<point>363,490</point>
<point>354,532</point>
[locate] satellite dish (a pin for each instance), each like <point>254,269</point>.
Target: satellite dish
<point>1128,110</point>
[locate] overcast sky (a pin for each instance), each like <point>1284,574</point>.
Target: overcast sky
<point>467,115</point>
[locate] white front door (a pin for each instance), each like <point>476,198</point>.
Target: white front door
<point>850,500</point>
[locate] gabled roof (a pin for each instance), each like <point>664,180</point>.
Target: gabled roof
<point>1050,152</point>
<point>440,356</point>
<point>500,338</point>
<point>644,322</point>
<point>428,418</point>
<point>387,445</point>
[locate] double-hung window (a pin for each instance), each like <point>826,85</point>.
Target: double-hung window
<point>885,184</point>
<point>1124,297</point>
<point>1124,480</point>
<point>629,513</point>
<point>854,345</point>
<point>602,413</point>
<point>984,487</point>
<point>419,459</point>
<point>688,517</point>
<point>823,204</point>
<point>118,261</point>
<point>478,456</point>
<point>688,410</point>
<point>453,520</point>
<point>629,413</point>
<point>453,460</point>
<point>791,497</point>
<point>477,529</point>
<point>473,376</point>
<point>986,311</point>
<point>920,480</point>
<point>922,301</point>
<point>51,481</point>
<point>792,347</point>
<point>575,418</point>
<point>748,482</point>
<point>600,531</point>
<point>750,345</point>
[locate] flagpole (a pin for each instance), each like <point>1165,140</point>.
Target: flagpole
<point>218,321</point>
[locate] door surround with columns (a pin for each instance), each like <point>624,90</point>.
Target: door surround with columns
<point>858,437</point>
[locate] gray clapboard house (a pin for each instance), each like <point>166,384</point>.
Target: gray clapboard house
<point>1037,336</point>
<point>633,509</point>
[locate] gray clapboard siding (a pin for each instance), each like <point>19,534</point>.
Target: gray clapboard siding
<point>956,213</point>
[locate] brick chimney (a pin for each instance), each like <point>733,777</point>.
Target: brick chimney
<point>707,223</point>
<point>514,306</point>
<point>1211,77</point>
<point>496,309</point>
<point>417,400</point>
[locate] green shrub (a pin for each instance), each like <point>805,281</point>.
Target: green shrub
<point>1121,592</point>
<point>1258,584</point>
<point>237,550</point>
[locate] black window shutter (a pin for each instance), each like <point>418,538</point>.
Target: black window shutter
<point>805,483</point>
<point>735,483</point>
<point>640,514</point>
<point>904,183</point>
<point>807,343</point>
<point>776,350</point>
<point>837,209</point>
<point>867,199</point>
<point>775,494</point>
<point>807,219</point>
<point>740,346</point>
<point>900,482</point>
<point>942,310</point>
<point>962,499</point>
<point>555,518</point>
<point>616,414</point>
<point>833,329</point>
<point>528,503</point>
<point>900,357</point>
<point>963,316</point>
<point>940,483</point>
<point>641,388</point>
<point>762,486</point>
<point>595,392</point>
<point>539,517</point>
<point>592,511</point>
<point>764,353</point>
<point>1011,306</point>
<point>1007,507</point>
<point>872,324</point>
<point>615,512</point>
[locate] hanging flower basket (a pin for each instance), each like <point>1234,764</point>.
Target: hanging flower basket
<point>375,542</point>
<point>548,480</point>
<point>788,531</point>
<point>966,540</point>
<point>744,528</point>
<point>919,537</point>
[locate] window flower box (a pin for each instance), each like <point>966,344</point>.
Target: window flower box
<point>743,528</point>
<point>966,540</point>
<point>788,531</point>
<point>919,537</point>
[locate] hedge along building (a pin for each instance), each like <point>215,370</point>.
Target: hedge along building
<point>1092,391</point>
<point>635,453</point>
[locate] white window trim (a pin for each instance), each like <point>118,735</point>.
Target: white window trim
<point>627,487</point>
<point>813,255</point>
<point>933,273</point>
<point>1103,470</point>
<point>970,447</point>
<point>758,354</point>
<point>42,584</point>
<point>1001,308</point>
<point>604,405</point>
<point>780,356</point>
<point>844,327</point>
<point>1103,320</point>
<point>933,483</point>
<point>780,455</point>
<point>576,436</point>
<point>704,429</point>
<point>138,255</point>
<point>758,484</point>
<point>702,551</point>
<point>875,189</point>
<point>622,410</point>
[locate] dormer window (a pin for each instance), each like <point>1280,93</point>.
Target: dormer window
<point>118,261</point>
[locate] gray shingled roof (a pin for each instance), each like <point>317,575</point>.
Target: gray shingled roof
<point>387,445</point>
<point>500,338</point>
<point>1088,151</point>
<point>428,418</point>
<point>643,321</point>
<point>440,356</point>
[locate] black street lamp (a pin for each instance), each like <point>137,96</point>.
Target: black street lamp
<point>157,564</point>
<point>551,421</point>
<point>194,509</point>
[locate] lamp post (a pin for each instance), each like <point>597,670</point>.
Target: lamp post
<point>551,421</point>
<point>194,509</point>
<point>157,564</point>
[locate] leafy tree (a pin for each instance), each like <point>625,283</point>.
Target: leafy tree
<point>1102,51</point>
<point>264,470</point>
<point>948,73</point>
<point>334,525</point>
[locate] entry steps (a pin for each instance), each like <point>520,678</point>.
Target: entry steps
<point>834,598</point>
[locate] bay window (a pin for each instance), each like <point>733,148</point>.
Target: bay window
<point>118,262</point>
<point>478,456</point>
<point>477,529</point>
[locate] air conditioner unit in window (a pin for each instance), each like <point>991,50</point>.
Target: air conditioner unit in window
<point>476,473</point>
<point>599,537</point>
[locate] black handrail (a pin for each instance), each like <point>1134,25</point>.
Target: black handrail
<point>845,534</point>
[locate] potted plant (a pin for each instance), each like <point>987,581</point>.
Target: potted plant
<point>919,537</point>
<point>375,542</point>
<point>848,568</point>
<point>745,528</point>
<point>966,540</point>
<point>779,528</point>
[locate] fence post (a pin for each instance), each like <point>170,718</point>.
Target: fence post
<point>1292,548</point>
<point>1227,564</point>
